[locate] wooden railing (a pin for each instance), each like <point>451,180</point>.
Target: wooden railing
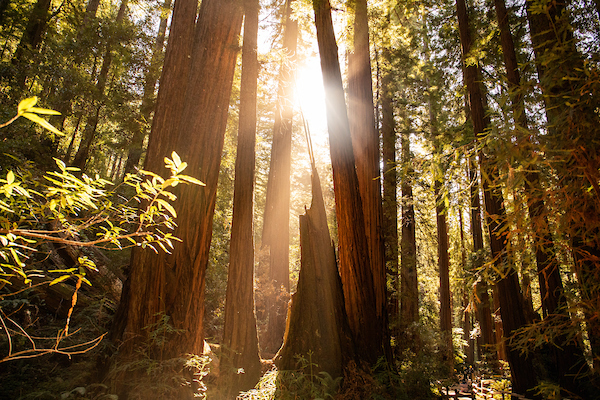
<point>479,390</point>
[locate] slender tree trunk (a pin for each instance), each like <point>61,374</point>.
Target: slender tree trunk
<point>240,338</point>
<point>90,129</point>
<point>135,149</point>
<point>409,289</point>
<point>276,223</point>
<point>390,182</point>
<point>173,285</point>
<point>365,143</point>
<point>509,295</point>
<point>355,266</point>
<point>468,311</point>
<point>482,297</point>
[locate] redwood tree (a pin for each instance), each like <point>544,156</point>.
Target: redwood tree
<point>355,265</point>
<point>173,285</point>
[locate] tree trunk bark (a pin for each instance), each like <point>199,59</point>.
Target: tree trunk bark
<point>390,201</point>
<point>173,285</point>
<point>240,338</point>
<point>365,144</point>
<point>276,223</point>
<point>355,265</point>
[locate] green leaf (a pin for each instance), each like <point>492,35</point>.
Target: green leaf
<point>10,177</point>
<point>41,121</point>
<point>189,179</point>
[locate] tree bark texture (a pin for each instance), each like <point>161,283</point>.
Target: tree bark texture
<point>509,295</point>
<point>365,142</point>
<point>317,326</point>
<point>276,224</point>
<point>173,285</point>
<point>355,266</point>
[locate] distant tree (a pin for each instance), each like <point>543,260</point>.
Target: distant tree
<point>409,285</point>
<point>89,133</point>
<point>135,148</point>
<point>275,235</point>
<point>31,40</point>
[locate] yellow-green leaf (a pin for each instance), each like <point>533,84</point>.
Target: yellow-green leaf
<point>26,104</point>
<point>60,279</point>
<point>44,111</point>
<point>167,206</point>
<point>41,121</point>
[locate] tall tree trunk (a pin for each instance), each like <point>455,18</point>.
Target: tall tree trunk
<point>390,182</point>
<point>509,295</point>
<point>409,285</point>
<point>276,223</point>
<point>365,143</point>
<point>468,311</point>
<point>173,285</point>
<point>444,271</point>
<point>442,237</point>
<point>482,297</point>
<point>92,123</point>
<point>240,338</point>
<point>135,149</point>
<point>355,266</point>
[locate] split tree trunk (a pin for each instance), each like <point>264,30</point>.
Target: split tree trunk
<point>317,325</point>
